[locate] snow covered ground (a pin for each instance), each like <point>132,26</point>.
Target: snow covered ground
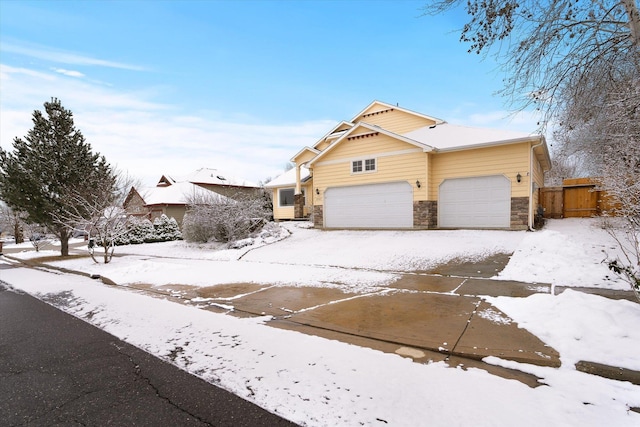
<point>319,382</point>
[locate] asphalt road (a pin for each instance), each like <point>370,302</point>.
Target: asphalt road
<point>58,370</point>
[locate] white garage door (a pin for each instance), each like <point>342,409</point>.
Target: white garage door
<point>388,205</point>
<point>479,202</point>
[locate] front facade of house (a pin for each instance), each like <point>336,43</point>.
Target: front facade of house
<point>390,167</point>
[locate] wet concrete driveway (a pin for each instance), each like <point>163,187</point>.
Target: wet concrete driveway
<point>428,316</point>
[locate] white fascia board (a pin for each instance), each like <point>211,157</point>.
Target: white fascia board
<point>396,107</point>
<point>332,131</point>
<point>488,144</point>
<point>313,150</point>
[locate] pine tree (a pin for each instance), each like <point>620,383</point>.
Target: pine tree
<point>52,172</point>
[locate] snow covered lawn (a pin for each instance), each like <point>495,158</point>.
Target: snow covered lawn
<point>318,382</point>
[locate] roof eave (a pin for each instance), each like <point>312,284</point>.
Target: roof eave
<point>490,144</point>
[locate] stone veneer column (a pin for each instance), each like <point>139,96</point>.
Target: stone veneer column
<point>318,219</point>
<point>519,213</point>
<point>425,214</point>
<point>298,205</point>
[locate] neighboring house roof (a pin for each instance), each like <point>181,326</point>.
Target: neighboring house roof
<point>179,193</point>
<point>448,137</point>
<point>215,177</point>
<point>288,179</point>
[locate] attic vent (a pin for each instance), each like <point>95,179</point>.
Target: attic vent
<point>375,113</point>
<point>221,178</point>
<point>362,135</point>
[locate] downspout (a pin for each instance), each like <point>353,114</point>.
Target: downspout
<point>531,213</point>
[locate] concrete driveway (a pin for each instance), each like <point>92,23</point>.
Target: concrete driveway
<point>428,316</point>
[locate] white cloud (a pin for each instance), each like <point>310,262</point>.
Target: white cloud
<point>69,73</point>
<point>63,57</point>
<point>148,138</point>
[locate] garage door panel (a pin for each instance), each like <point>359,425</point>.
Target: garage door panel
<point>482,202</point>
<point>388,205</point>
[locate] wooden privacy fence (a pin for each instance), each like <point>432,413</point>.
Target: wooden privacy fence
<point>577,198</point>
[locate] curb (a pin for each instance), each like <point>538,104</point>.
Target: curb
<point>610,372</point>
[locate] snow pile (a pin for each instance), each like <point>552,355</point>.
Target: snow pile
<point>568,252</point>
<point>580,326</point>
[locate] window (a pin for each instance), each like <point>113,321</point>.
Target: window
<point>361,166</point>
<point>370,165</point>
<point>285,196</point>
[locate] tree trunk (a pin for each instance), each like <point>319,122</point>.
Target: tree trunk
<point>64,242</point>
<point>17,233</point>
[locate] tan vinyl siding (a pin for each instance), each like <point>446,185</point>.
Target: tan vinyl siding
<point>324,144</point>
<point>285,212</point>
<point>407,164</point>
<point>395,120</point>
<point>308,198</point>
<point>304,157</point>
<point>507,160</point>
<point>538,179</point>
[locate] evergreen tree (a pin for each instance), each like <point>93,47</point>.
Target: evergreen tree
<point>53,173</point>
<point>166,228</point>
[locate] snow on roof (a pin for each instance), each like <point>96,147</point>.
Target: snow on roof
<point>446,136</point>
<point>176,194</point>
<point>215,177</point>
<point>288,178</point>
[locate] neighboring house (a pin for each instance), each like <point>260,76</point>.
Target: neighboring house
<point>390,167</point>
<point>171,196</point>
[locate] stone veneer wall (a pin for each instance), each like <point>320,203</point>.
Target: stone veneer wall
<point>318,218</point>
<point>425,214</point>
<point>519,213</point>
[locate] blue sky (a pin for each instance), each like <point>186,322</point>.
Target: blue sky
<point>166,87</point>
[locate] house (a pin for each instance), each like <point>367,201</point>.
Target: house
<point>390,167</point>
<point>172,196</point>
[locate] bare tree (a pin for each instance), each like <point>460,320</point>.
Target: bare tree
<point>12,221</point>
<point>545,46</point>
<point>578,63</point>
<point>101,213</point>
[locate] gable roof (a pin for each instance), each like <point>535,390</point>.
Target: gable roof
<point>379,106</point>
<point>372,129</point>
<point>334,132</point>
<point>312,150</point>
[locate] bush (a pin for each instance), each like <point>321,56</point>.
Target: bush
<point>139,231</point>
<point>223,219</point>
